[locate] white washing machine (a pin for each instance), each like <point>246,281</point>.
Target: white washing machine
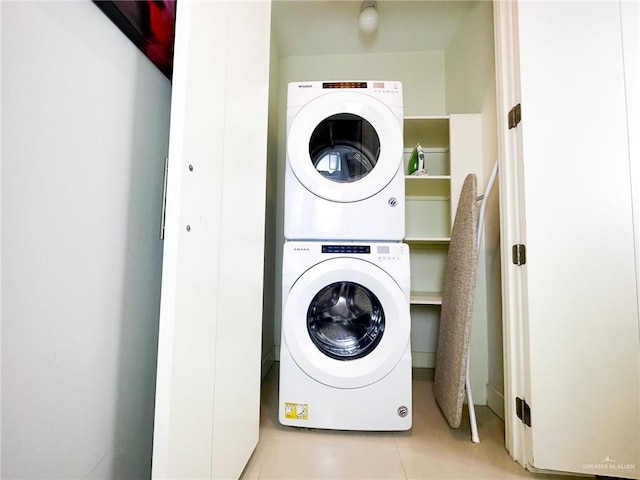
<point>344,176</point>
<point>345,353</point>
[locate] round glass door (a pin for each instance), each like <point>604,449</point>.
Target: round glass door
<point>345,321</point>
<point>344,148</point>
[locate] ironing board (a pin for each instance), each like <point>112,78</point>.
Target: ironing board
<point>451,382</point>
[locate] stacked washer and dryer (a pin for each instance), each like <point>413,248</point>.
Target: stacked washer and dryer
<point>345,355</point>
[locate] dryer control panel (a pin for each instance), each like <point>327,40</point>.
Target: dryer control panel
<point>388,92</point>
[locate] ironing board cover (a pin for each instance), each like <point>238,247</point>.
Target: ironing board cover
<point>457,306</point>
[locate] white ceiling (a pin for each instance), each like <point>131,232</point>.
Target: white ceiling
<point>330,27</point>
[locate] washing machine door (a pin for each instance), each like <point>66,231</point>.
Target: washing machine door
<point>345,146</point>
<point>346,323</point>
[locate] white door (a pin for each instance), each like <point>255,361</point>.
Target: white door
<point>572,325</point>
<point>208,380</point>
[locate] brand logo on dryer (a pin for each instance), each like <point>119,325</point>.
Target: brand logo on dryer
<point>301,249</point>
<point>305,85</point>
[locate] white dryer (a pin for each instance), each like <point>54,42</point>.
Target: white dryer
<point>344,176</point>
<point>345,353</point>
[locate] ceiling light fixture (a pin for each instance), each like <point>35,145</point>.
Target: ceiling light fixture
<point>368,20</point>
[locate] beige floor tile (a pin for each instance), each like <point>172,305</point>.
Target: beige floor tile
<point>437,462</point>
<point>430,450</point>
<point>254,466</point>
<point>429,424</point>
<point>465,463</point>
<point>310,455</point>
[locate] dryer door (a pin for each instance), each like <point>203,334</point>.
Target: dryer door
<point>345,146</point>
<point>346,323</point>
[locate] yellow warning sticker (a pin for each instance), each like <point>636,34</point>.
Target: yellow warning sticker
<point>296,411</point>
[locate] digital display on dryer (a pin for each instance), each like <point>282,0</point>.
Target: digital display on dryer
<point>344,85</point>
<point>360,249</point>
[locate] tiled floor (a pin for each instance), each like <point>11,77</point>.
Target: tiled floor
<point>431,450</point>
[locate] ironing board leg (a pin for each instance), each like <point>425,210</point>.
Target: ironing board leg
<point>472,410</point>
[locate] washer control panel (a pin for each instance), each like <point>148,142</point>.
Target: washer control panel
<point>376,252</point>
<point>357,249</point>
<point>391,257</point>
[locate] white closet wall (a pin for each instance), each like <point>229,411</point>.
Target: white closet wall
<point>470,54</point>
<point>273,218</point>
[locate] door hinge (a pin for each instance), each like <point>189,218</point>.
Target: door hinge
<point>515,115</point>
<point>519,254</point>
<point>164,198</point>
<point>523,411</point>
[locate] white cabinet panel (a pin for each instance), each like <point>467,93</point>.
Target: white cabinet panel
<point>208,386</point>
